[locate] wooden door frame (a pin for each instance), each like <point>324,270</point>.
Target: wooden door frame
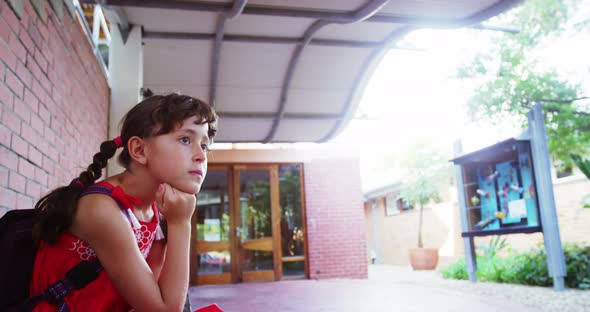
<point>273,170</point>
<point>224,278</point>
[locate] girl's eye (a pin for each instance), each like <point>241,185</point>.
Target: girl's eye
<point>185,140</point>
<point>205,147</point>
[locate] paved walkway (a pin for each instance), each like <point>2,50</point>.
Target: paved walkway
<point>387,289</point>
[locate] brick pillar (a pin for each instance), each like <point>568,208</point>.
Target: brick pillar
<point>335,219</point>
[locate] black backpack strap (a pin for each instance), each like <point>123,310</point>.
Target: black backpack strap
<point>76,278</point>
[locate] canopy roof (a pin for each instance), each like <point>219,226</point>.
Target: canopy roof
<point>280,71</point>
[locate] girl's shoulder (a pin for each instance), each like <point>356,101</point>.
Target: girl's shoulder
<point>102,193</point>
<point>100,213</point>
<point>96,214</point>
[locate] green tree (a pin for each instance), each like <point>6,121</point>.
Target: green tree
<point>428,169</point>
<point>511,78</point>
<point>419,191</point>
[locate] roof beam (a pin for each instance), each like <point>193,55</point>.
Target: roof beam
<point>271,115</point>
<point>333,16</point>
<point>366,11</point>
<point>236,10</point>
<point>261,39</point>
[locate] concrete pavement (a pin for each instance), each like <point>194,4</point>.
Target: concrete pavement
<point>387,289</point>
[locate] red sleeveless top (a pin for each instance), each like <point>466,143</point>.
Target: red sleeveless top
<point>53,261</point>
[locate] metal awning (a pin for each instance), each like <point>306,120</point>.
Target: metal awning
<point>280,71</point>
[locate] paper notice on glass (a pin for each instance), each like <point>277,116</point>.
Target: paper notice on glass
<point>212,230</point>
<point>517,209</point>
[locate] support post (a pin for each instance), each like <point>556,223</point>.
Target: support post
<point>376,232</point>
<point>544,192</point>
<point>125,79</point>
<point>470,259</point>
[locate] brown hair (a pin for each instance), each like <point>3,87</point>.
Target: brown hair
<point>153,116</point>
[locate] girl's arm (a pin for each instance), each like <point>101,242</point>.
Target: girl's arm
<point>155,258</point>
<point>100,222</point>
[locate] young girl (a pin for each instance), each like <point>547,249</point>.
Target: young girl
<point>165,140</point>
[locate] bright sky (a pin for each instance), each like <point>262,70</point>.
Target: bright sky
<point>413,94</point>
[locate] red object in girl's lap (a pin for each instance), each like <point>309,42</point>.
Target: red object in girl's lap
<point>210,308</point>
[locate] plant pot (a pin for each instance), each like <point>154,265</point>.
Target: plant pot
<point>423,258</point>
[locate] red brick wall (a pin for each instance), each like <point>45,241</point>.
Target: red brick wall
<point>337,245</point>
<point>54,102</point>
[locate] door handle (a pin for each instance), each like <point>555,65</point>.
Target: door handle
<point>238,231</point>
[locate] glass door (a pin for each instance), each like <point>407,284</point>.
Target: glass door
<point>249,225</point>
<point>257,221</point>
<point>211,252</point>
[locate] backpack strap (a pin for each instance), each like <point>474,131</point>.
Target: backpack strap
<point>105,190</point>
<point>76,278</point>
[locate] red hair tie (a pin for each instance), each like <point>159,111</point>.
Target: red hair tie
<point>77,181</point>
<point>118,141</point>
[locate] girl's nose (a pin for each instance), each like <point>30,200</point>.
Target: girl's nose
<point>200,155</point>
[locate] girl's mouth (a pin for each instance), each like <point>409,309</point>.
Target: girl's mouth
<point>196,173</point>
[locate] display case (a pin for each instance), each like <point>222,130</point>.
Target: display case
<point>498,184</point>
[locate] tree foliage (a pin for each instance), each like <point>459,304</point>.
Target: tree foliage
<point>418,191</point>
<point>427,169</point>
<point>511,77</point>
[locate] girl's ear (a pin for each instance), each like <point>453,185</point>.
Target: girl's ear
<point>136,148</point>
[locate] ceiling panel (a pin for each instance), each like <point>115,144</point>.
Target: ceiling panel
<point>357,31</point>
<point>268,26</point>
<point>316,101</point>
<point>323,67</point>
<point>339,5</point>
<point>253,99</point>
<point>172,20</point>
<point>243,130</point>
<point>439,9</point>
<point>313,131</point>
<point>199,91</point>
<point>253,64</point>
<point>176,61</point>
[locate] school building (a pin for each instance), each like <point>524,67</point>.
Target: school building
<point>276,72</point>
<point>392,225</point>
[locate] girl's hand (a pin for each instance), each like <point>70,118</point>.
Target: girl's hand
<point>176,206</point>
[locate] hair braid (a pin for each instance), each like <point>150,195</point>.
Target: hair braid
<point>55,211</point>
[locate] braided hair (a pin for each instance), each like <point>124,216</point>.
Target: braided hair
<point>154,116</point>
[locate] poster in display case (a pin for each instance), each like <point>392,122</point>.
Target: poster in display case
<point>500,189</point>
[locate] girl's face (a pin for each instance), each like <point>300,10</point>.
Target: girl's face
<point>179,157</point>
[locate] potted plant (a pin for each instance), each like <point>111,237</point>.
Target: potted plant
<point>419,191</point>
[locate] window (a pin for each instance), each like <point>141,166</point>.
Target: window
<point>563,170</point>
<point>391,206</point>
<point>404,205</point>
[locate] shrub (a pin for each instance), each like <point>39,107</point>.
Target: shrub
<point>577,263</point>
<point>528,268</point>
<point>456,270</point>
